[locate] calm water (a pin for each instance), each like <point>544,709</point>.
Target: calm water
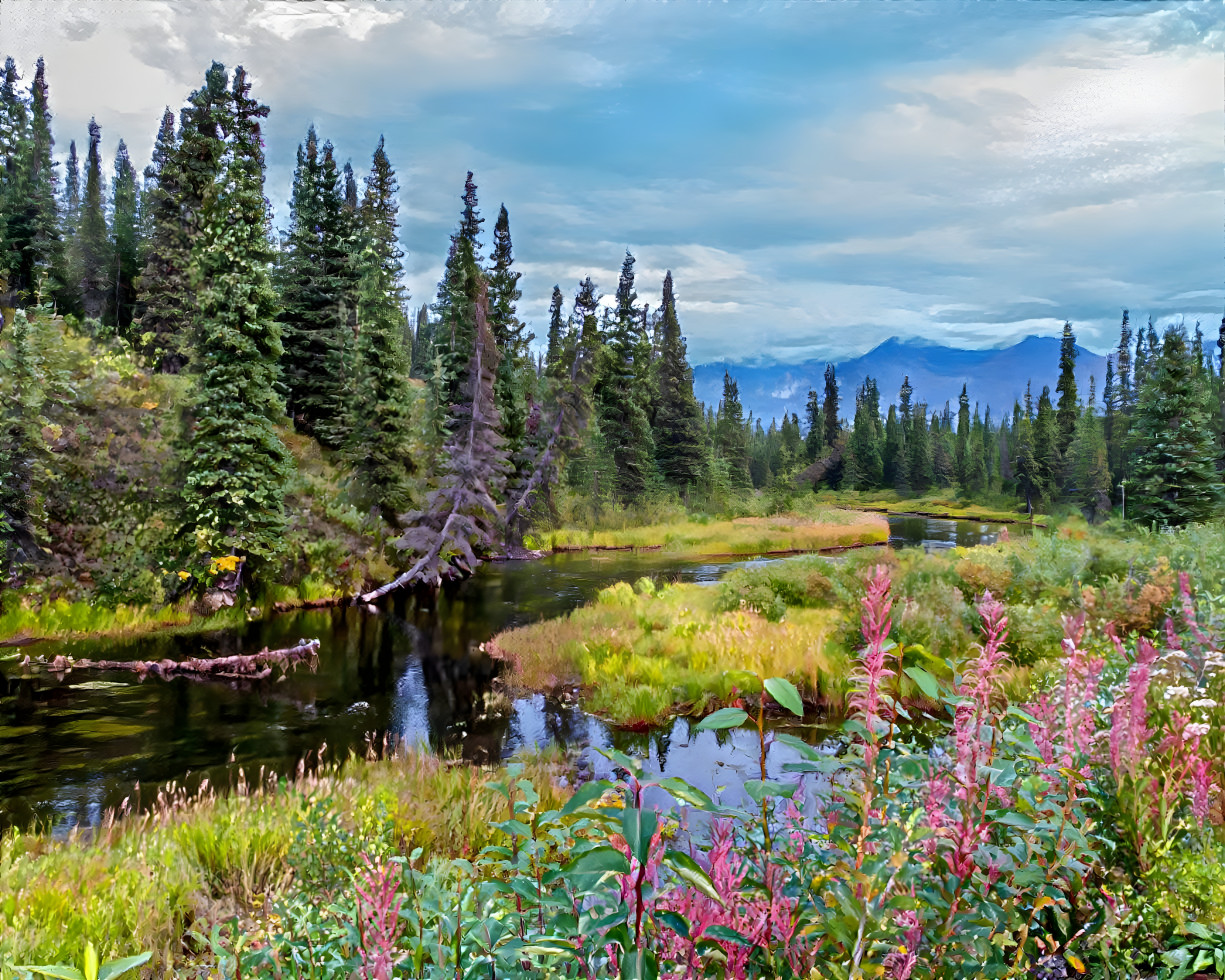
<point>71,748</point>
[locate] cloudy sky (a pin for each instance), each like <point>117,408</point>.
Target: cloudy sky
<point>818,176</point>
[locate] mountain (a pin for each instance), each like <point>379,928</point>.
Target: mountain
<point>993,377</point>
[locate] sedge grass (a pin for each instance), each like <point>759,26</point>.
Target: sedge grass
<point>827,528</point>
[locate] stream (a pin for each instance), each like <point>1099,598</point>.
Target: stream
<point>71,749</point>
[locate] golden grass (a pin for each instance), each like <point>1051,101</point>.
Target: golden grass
<point>999,509</point>
<point>641,657</point>
<point>829,528</point>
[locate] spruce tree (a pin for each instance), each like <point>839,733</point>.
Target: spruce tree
<point>865,465</point>
<point>1088,468</point>
<point>1048,459</point>
<point>423,345</point>
<point>235,466</point>
<point>731,440</point>
<point>380,422</point>
<point>919,471</point>
<point>974,481</point>
<point>1175,474</point>
<point>829,407</point>
<point>70,211</point>
<point>679,444</point>
<point>511,336</point>
<point>814,441</point>
<point>1068,410</point>
<point>21,444</point>
<point>125,243</point>
<point>456,306</point>
<point>622,420</point>
<point>14,143</point>
<point>557,330</point>
<point>963,436</point>
<point>316,282</point>
<point>92,244</point>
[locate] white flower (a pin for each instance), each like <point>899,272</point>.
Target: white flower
<point>1203,703</point>
<point>1176,692</point>
<point>1196,728</point>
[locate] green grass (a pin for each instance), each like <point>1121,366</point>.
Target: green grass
<point>59,619</point>
<point>754,535</point>
<point>996,507</point>
<point>141,883</point>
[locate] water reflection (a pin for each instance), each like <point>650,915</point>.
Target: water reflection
<point>72,747</point>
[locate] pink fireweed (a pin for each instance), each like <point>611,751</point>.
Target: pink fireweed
<point>1129,731</point>
<point>378,917</point>
<point>872,673</point>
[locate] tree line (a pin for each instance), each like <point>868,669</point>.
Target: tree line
<point>456,431</point>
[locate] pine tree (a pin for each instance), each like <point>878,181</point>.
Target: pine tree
<point>622,420</point>
<point>14,141</point>
<point>316,282</point>
<point>1175,472</point>
<point>1123,362</point>
<point>679,442</point>
<point>380,423</point>
<point>125,243</point>
<point>456,306</point>
<point>235,466</point>
<point>1068,411</point>
<point>963,436</point>
<point>731,441</point>
<point>1047,457</point>
<point>975,479</point>
<point>92,244</point>
<point>423,345</point>
<point>71,205</point>
<point>864,469</point>
<point>919,471</point>
<point>1088,466</point>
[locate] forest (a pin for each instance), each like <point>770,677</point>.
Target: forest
<point>206,423</point>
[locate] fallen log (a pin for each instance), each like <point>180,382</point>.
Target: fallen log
<point>253,666</point>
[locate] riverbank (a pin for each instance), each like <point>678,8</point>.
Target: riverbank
<point>787,533</point>
<point>998,510</point>
<point>147,882</point>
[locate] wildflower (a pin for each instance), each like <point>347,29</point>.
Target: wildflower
<point>1201,786</point>
<point>184,576</point>
<point>1196,729</point>
<point>1203,703</point>
<point>1176,691</point>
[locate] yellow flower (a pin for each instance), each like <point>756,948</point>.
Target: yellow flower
<point>184,576</point>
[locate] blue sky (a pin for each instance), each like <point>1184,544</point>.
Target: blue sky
<point>818,176</point>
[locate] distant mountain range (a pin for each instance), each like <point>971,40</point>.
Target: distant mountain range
<point>992,377</point>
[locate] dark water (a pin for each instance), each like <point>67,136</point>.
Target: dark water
<point>71,748</point>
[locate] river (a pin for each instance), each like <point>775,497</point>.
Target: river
<point>72,748</point>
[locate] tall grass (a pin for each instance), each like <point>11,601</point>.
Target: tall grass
<point>141,882</point>
<point>751,535</point>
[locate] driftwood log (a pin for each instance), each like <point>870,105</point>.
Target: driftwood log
<point>254,666</point>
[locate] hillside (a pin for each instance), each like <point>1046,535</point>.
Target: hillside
<point>994,377</point>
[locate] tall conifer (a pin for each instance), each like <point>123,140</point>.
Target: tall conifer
<point>92,245</point>
<point>679,443</point>
<point>1068,410</point>
<point>125,243</point>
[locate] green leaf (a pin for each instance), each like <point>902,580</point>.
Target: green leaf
<point>927,683</point>
<point>674,921</point>
<point>61,972</point>
<point>690,871</point>
<point>91,962</point>
<point>548,946</point>
<point>639,964</point>
<point>638,828</point>
<point>760,789</point>
<point>684,793</point>
<point>584,795</point>
<point>727,934</point>
<point>785,693</point>
<point>599,860</point>
<point>117,968</point>
<point>723,718</point>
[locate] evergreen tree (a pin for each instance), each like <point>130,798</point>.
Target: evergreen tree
<point>1139,370</point>
<point>125,243</point>
<point>1068,411</point>
<point>380,424</point>
<point>963,436</point>
<point>943,450</point>
<point>891,451</point>
<point>92,244</point>
<point>1047,457</point>
<point>975,480</point>
<point>557,329</point>
<point>731,440</point>
<point>1175,471</point>
<point>511,336</point>
<point>1126,395</point>
<point>622,420</point>
<point>919,469</point>
<point>423,345</point>
<point>864,468</point>
<point>679,443</point>
<point>70,211</point>
<point>1088,466</point>
<point>814,441</point>
<point>14,141</point>
<point>21,444</point>
<point>315,279</point>
<point>235,466</point>
<point>829,407</point>
<point>456,306</point>
<point>176,207</point>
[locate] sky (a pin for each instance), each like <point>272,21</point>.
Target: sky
<point>819,177</point>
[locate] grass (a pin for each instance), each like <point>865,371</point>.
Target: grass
<point>59,619</point>
<point>142,882</point>
<point>827,528</point>
<point>997,508</point>
<point>641,656</point>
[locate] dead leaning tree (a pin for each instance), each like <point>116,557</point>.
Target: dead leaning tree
<point>462,514</point>
<point>249,667</point>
